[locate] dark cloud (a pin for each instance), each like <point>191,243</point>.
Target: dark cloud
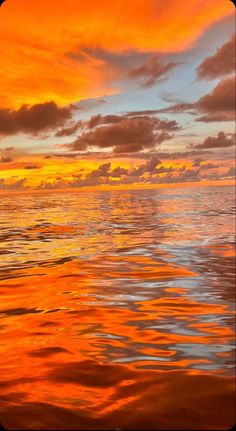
<point>6,159</point>
<point>65,155</point>
<point>219,64</point>
<point>8,149</point>
<point>178,108</point>
<point>184,154</point>
<point>88,104</point>
<point>118,172</point>
<point>171,97</point>
<point>201,164</point>
<point>32,167</point>
<point>125,135</point>
<point>98,119</point>
<point>102,171</point>
<point>172,174</point>
<point>214,118</point>
<point>152,163</point>
<point>19,184</point>
<point>152,166</point>
<point>197,162</point>
<point>119,60</point>
<point>132,64</point>
<point>219,105</point>
<point>209,166</point>
<point>151,71</point>
<point>33,119</point>
<point>231,172</point>
<point>147,171</point>
<point>222,140</point>
<point>141,113</point>
<point>68,131</point>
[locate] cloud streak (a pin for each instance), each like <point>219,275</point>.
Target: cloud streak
<point>152,71</point>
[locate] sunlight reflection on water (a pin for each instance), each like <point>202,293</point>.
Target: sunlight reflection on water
<point>98,289</point>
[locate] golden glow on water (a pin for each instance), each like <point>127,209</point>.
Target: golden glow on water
<point>117,310</point>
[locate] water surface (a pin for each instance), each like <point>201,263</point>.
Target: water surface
<point>117,309</point>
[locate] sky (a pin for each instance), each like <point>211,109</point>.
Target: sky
<point>116,94</point>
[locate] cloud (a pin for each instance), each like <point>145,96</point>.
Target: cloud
<point>146,172</point>
<point>88,104</point>
<point>152,166</point>
<point>146,25</point>
<point>125,134</point>
<point>97,120</point>
<point>119,61</point>
<point>8,149</point>
<point>219,141</point>
<point>219,64</point>
<point>231,172</point>
<point>118,172</point>
<point>33,119</point>
<point>31,167</point>
<point>151,171</point>
<point>178,108</point>
<point>152,71</point>
<point>208,166</point>
<point>19,184</point>
<point>6,159</point>
<point>102,171</point>
<point>152,163</point>
<point>145,66</point>
<point>219,105</point>
<point>200,163</point>
<point>68,131</point>
<point>197,162</point>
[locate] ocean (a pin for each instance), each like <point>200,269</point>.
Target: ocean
<point>117,309</point>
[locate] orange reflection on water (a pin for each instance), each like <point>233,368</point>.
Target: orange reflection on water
<point>109,319</point>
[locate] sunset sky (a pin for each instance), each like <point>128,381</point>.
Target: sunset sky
<point>116,93</point>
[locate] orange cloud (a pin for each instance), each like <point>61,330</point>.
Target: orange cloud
<point>35,37</point>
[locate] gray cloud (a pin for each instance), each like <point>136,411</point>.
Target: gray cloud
<point>151,71</point>
<point>33,119</point>
<point>222,140</point>
<point>219,105</point>
<point>31,167</point>
<point>70,130</point>
<point>6,159</point>
<point>219,64</point>
<point>124,135</point>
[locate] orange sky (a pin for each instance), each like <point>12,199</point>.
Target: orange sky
<point>111,58</point>
<point>36,36</point>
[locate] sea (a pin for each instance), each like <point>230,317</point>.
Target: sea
<point>117,309</point>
